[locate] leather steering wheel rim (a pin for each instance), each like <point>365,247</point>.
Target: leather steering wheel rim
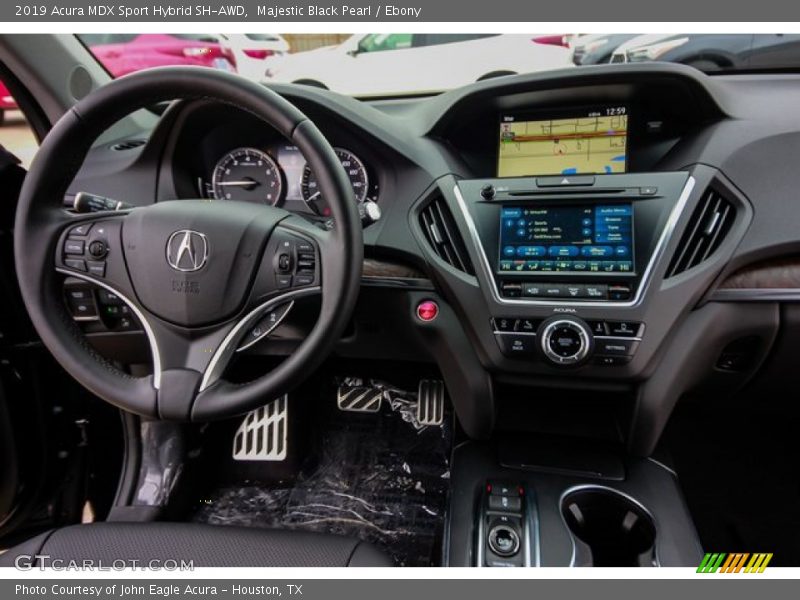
<point>41,221</point>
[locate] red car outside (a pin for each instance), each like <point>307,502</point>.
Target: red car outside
<point>7,102</point>
<point>125,53</point>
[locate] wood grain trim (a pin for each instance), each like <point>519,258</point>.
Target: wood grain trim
<point>773,274</point>
<point>391,269</point>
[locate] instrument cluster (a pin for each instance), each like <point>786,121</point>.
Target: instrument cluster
<point>278,175</point>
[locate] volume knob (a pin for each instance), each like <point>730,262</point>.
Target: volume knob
<point>487,192</point>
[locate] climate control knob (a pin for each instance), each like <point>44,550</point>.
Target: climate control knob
<point>565,340</point>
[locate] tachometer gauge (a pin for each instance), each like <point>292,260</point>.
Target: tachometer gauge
<point>248,175</point>
<point>355,170</point>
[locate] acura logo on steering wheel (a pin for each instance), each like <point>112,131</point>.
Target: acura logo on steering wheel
<point>187,250</point>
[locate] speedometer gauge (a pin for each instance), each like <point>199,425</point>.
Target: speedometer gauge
<point>248,175</point>
<point>356,172</point>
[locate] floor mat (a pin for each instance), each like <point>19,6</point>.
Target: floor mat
<point>379,477</point>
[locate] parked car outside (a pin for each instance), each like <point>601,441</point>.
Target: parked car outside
<point>250,50</point>
<point>596,48</point>
<point>375,64</point>
<point>124,53</point>
<point>7,102</point>
<point>620,55</point>
<point>709,52</point>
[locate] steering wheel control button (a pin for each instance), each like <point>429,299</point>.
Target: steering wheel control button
<point>294,262</point>
<point>75,263</point>
<point>266,325</point>
<point>74,247</point>
<point>76,294</point>
<point>427,311</point>
<point>80,230</point>
<point>284,263</point>
<point>109,298</point>
<point>306,263</point>
<point>98,249</point>
<point>565,341</point>
<point>302,279</point>
<point>83,309</point>
<point>98,269</point>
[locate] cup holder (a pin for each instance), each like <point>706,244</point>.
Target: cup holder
<point>609,529</point>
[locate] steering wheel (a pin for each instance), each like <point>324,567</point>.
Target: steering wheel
<point>199,275</point>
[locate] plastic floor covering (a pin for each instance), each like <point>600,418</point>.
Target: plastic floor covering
<point>380,477</point>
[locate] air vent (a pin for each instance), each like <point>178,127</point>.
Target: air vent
<point>710,223</point>
<point>128,145</point>
<point>442,234</point>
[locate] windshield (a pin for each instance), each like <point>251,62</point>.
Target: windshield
<point>390,64</point>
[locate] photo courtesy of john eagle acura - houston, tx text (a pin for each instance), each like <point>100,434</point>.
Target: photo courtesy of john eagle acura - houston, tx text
<point>398,300</point>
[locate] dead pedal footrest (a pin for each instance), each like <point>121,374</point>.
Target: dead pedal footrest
<point>263,434</point>
<point>430,402</point>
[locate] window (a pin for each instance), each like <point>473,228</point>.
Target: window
<point>379,42</point>
<point>16,135</point>
<point>437,39</point>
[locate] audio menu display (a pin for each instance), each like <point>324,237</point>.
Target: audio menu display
<point>570,239</point>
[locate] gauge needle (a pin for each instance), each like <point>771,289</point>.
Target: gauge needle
<point>313,196</point>
<point>242,183</point>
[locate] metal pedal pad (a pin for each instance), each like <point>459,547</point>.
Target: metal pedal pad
<point>263,434</point>
<point>430,402</point>
<point>354,396</point>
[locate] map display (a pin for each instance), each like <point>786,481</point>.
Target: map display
<point>592,143</point>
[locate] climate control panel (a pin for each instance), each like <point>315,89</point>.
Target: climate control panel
<point>566,341</point>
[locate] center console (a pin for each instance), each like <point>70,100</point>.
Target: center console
<point>631,513</point>
<point>568,261</point>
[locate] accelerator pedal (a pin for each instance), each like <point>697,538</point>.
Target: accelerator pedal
<point>263,434</point>
<point>354,395</point>
<point>430,402</point>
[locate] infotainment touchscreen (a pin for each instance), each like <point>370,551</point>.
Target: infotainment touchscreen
<point>572,239</point>
<point>591,140</point>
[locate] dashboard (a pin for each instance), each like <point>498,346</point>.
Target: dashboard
<point>611,230</point>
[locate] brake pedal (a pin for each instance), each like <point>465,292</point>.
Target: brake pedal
<point>354,396</point>
<point>430,402</point>
<point>263,434</point>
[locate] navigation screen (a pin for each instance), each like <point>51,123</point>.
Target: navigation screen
<point>587,141</point>
<point>582,239</point>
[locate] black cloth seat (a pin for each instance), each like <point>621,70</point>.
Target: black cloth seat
<point>206,545</point>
